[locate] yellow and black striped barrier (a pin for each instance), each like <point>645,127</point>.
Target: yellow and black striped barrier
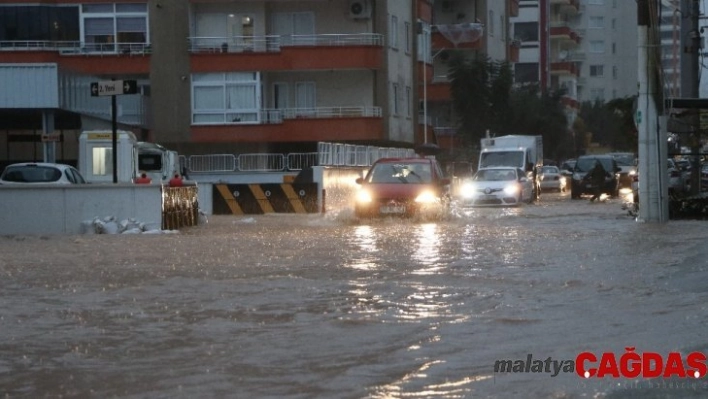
<point>250,199</point>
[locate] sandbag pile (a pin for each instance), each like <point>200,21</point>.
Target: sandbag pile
<point>110,225</point>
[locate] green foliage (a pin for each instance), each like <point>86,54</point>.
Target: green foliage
<point>612,123</point>
<point>484,98</point>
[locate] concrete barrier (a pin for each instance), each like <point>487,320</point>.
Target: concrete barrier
<point>59,209</point>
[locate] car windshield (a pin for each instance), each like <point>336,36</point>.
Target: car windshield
<point>585,164</point>
<point>549,170</point>
<point>31,174</point>
<point>495,175</point>
<point>414,172</point>
<point>502,158</point>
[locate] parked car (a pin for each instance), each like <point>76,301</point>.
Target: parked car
<point>552,179</point>
<point>677,181</point>
<point>403,187</point>
<point>503,186</point>
<point>581,184</point>
<point>568,165</point>
<point>627,162</point>
<point>41,173</point>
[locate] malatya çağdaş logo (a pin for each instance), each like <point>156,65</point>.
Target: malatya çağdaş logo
<point>630,364</point>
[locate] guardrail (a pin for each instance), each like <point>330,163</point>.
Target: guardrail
<point>328,154</point>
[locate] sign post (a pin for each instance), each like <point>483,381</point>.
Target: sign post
<point>113,88</point>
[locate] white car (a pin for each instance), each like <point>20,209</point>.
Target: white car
<point>497,187</point>
<point>552,179</point>
<point>40,173</point>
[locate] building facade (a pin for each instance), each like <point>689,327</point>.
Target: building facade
<point>214,76</point>
<point>587,48</point>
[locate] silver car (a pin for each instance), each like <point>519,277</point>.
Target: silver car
<point>41,173</point>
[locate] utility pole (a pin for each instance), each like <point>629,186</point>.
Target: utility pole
<point>653,191</point>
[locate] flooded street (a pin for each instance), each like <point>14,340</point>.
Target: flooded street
<point>293,306</point>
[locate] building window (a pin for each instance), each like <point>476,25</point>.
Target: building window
<point>424,42</point>
<point>526,72</point>
<point>490,21</point>
<point>614,48</point>
<point>597,2</point>
<point>502,23</point>
<point>614,23</point>
<point>395,98</point>
<point>105,26</point>
<point>526,31</point>
<point>409,101</point>
<point>39,23</point>
<point>597,46</point>
<point>393,32</point>
<point>407,27</point>
<point>226,98</point>
<point>597,70</point>
<point>614,72</point>
<point>292,23</point>
<point>596,22</point>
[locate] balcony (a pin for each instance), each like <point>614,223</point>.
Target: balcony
<point>292,125</point>
<point>564,68</point>
<point>94,59</point>
<point>471,33</point>
<point>560,31</point>
<point>513,8</point>
<point>279,53</point>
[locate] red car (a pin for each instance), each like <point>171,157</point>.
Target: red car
<point>402,187</point>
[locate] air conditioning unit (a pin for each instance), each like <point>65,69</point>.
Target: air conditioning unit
<point>359,9</point>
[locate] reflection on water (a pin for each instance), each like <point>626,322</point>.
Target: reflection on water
<point>364,259</point>
<point>426,251</point>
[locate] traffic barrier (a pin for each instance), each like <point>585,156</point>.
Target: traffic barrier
<point>249,199</point>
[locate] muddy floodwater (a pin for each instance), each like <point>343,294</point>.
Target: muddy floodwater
<point>327,306</point>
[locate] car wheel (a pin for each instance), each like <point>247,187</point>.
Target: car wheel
<point>574,194</point>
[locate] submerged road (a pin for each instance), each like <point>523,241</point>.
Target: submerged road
<point>293,306</point>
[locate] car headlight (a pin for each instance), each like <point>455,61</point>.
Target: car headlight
<point>632,172</point>
<point>468,190</point>
<point>426,197</point>
<point>363,196</point>
<point>511,189</point>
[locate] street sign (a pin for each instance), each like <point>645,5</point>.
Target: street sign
<point>113,87</point>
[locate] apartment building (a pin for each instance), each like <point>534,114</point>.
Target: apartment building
<point>214,76</point>
<point>471,27</point>
<point>588,48</point>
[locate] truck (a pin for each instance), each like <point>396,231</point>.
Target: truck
<point>134,158</point>
<point>520,151</point>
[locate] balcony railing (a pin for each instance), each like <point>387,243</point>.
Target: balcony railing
<point>75,47</point>
<point>274,116</point>
<point>273,43</point>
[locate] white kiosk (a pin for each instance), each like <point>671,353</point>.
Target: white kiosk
<point>96,156</point>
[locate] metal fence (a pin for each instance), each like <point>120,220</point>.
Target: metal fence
<point>328,154</point>
<point>212,163</point>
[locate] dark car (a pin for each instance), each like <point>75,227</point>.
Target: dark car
<point>402,187</point>
<point>581,183</point>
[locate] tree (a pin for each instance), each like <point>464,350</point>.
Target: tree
<point>611,123</point>
<point>485,98</point>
